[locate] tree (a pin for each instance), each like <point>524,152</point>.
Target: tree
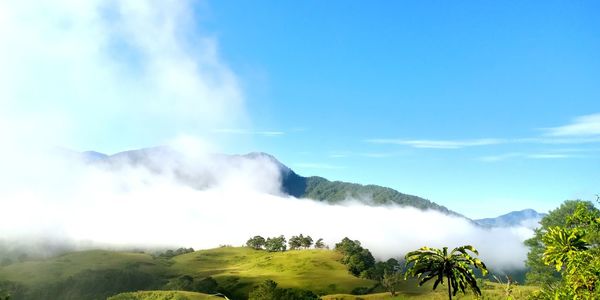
<point>456,266</point>
<point>295,242</point>
<point>360,261</point>
<point>306,241</point>
<point>574,251</point>
<point>391,281</point>
<point>539,272</point>
<point>264,291</point>
<point>257,242</point>
<point>319,244</point>
<point>392,265</point>
<point>275,244</point>
<point>268,290</point>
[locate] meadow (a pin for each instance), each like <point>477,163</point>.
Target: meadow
<point>100,274</point>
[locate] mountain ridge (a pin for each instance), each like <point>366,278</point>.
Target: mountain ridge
<point>513,218</point>
<point>312,187</point>
<point>291,183</point>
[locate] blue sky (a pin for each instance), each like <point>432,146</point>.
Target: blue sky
<point>451,101</point>
<point>482,106</point>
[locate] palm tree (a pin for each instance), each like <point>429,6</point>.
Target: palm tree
<point>457,266</point>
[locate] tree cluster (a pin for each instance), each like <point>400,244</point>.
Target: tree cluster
<point>360,261</point>
<point>277,244</point>
<point>568,242</point>
<point>188,283</point>
<point>300,242</point>
<point>172,253</point>
<point>268,290</point>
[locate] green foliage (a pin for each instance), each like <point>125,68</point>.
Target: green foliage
<point>319,244</point>
<point>301,241</point>
<point>382,267</point>
<point>391,281</point>
<point>561,243</point>
<point>257,242</point>
<point>172,253</point>
<point>268,290</point>
<point>539,272</point>
<point>573,250</point>
<point>455,266</point>
<point>295,242</point>
<point>97,284</point>
<point>306,241</point>
<point>321,189</point>
<point>359,260</point>
<point>263,291</point>
<point>12,290</point>
<point>188,283</point>
<point>275,244</point>
<point>161,295</point>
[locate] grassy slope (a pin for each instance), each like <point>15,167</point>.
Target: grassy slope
<point>317,270</point>
<point>491,291</point>
<point>237,269</point>
<point>162,295</point>
<point>61,267</point>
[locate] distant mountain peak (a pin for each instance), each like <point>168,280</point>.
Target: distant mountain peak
<point>514,218</point>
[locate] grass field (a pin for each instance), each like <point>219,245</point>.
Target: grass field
<point>100,274</point>
<point>62,267</point>
<point>162,295</point>
<point>316,270</point>
<point>490,291</point>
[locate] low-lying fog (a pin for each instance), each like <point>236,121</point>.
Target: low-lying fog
<point>93,205</point>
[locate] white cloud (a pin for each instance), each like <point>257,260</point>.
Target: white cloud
<point>513,155</point>
<point>588,125</point>
<point>109,72</point>
<point>272,133</point>
<point>309,165</point>
<point>549,155</point>
<point>500,157</point>
<point>439,144</point>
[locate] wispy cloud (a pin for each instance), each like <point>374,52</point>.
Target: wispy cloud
<point>249,132</point>
<point>514,155</point>
<point>347,154</point>
<point>550,155</point>
<point>588,125</point>
<point>582,130</point>
<point>500,157</point>
<point>440,144</point>
<point>317,166</point>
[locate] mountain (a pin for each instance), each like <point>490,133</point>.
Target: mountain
<point>321,189</point>
<point>164,159</point>
<point>527,217</point>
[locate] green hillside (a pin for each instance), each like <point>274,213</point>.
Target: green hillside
<point>321,189</point>
<point>241,268</point>
<point>83,275</point>
<point>490,291</point>
<point>232,271</point>
<point>100,274</point>
<point>162,295</point>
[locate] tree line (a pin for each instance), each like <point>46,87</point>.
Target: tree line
<point>280,244</point>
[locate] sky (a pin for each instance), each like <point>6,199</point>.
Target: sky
<point>483,107</point>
